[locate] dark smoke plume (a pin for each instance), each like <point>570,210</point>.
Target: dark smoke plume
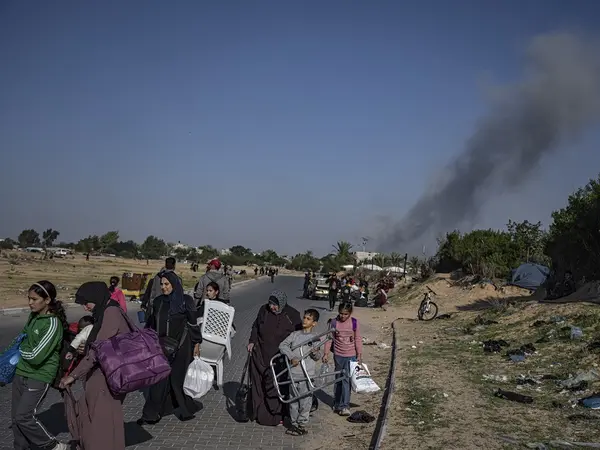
<point>557,101</point>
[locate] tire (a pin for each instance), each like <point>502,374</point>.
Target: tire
<point>431,314</point>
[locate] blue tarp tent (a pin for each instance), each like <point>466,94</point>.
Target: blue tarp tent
<point>529,276</point>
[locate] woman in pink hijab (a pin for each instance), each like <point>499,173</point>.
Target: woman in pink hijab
<point>116,293</point>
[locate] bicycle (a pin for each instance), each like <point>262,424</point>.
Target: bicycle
<point>427,309</point>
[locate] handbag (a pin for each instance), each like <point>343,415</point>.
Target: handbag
<point>243,397</point>
<point>169,345</point>
<point>9,360</point>
<point>133,360</point>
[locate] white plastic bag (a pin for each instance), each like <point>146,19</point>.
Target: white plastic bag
<point>198,379</point>
<point>361,380</point>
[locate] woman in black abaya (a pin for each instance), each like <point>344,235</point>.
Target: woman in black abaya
<point>275,321</point>
<point>173,315</point>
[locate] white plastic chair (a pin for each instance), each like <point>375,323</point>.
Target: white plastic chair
<point>216,335</point>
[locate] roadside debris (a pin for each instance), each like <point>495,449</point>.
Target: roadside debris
<point>591,402</point>
<point>513,396</point>
<point>493,346</point>
<point>576,333</point>
<point>496,378</point>
<point>589,376</point>
<point>360,417</point>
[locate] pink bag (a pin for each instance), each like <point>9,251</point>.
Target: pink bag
<point>132,361</point>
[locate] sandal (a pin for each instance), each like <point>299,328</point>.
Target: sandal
<point>296,431</point>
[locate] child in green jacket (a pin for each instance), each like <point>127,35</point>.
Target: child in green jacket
<point>37,368</point>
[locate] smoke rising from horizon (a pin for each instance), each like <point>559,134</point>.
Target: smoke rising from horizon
<point>556,102</point>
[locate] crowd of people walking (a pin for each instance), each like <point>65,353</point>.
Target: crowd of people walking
<point>57,354</point>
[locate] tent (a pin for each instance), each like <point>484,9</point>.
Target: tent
<point>529,276</point>
<point>370,267</point>
<point>394,269</point>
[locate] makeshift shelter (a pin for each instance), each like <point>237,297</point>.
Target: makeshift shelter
<point>395,269</point>
<point>370,267</point>
<point>529,276</point>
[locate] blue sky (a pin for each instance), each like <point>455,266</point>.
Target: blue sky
<point>270,124</point>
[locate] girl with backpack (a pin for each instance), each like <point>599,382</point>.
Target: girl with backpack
<point>37,368</point>
<point>346,345</point>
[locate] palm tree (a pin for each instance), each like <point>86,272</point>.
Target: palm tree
<point>414,264</point>
<point>380,259</point>
<point>396,259</point>
<point>343,252</point>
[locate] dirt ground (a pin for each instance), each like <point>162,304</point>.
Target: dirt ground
<point>445,382</point>
<point>337,432</point>
<point>20,270</point>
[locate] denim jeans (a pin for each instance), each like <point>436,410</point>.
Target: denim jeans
<point>342,388</point>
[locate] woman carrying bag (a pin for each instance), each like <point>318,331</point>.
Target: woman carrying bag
<point>101,424</point>
<point>173,317</point>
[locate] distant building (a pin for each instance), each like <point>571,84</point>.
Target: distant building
<point>365,256</point>
<point>224,252</point>
<point>180,246</point>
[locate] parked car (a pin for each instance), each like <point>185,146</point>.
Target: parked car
<point>318,288</point>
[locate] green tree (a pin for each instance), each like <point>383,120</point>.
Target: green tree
<point>414,264</point>
<point>153,248</point>
<point>48,237</point>
<point>208,252</point>
<point>331,263</point>
<point>89,244</point>
<point>380,260</point>
<point>127,249</point>
<point>193,255</point>
<point>109,240</point>
<point>488,253</point>
<point>528,239</point>
<point>29,238</point>
<point>181,253</point>
<point>396,259</point>
<point>239,250</point>
<point>343,252</point>
<point>7,244</point>
<point>573,241</point>
<point>305,261</point>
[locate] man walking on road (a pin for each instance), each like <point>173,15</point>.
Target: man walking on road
<point>213,274</point>
<point>334,287</point>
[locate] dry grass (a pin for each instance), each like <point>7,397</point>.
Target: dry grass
<point>19,270</point>
<point>442,399</point>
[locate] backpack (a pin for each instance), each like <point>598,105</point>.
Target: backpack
<point>354,323</point>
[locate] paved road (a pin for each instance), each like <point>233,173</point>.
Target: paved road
<point>214,427</point>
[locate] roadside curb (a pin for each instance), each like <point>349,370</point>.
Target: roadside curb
<point>17,311</point>
<point>390,386</point>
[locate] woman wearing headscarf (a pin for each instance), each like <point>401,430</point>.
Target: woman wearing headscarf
<point>173,317</point>
<point>275,321</point>
<point>100,425</point>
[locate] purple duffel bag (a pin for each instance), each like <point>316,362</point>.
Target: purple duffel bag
<point>132,361</point>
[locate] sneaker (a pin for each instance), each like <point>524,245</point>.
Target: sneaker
<point>61,446</point>
<point>344,412</point>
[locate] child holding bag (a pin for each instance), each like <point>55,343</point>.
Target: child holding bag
<point>347,346</point>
